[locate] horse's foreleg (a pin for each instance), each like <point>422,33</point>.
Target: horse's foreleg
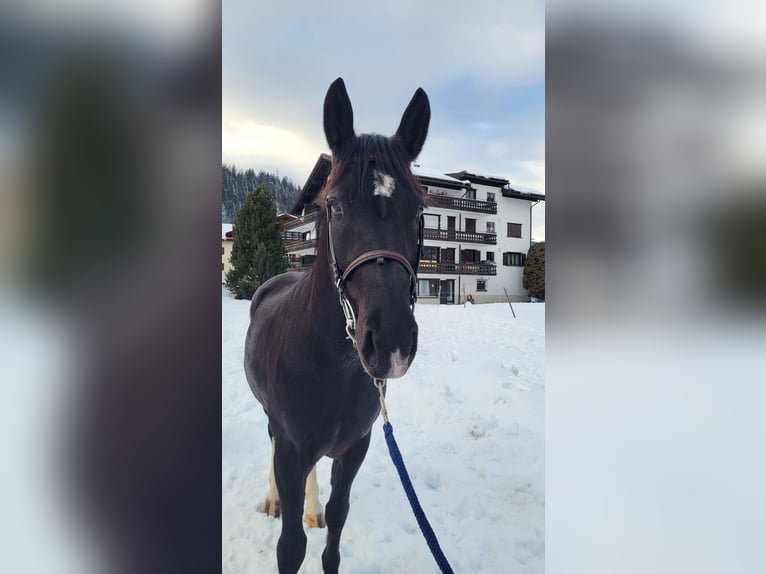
<point>344,470</point>
<point>270,505</point>
<point>314,514</point>
<point>290,472</point>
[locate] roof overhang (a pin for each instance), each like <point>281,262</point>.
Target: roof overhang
<point>314,183</point>
<point>528,195</point>
<point>480,179</point>
<point>437,182</point>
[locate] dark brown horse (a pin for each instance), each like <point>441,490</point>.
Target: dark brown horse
<point>310,359</point>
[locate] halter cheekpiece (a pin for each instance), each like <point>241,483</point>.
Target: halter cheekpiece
<point>379,256</point>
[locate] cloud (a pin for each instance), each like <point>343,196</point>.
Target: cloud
<point>247,144</point>
<point>481,63</point>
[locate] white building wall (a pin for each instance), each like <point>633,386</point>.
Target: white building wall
<point>509,210</point>
<point>512,210</point>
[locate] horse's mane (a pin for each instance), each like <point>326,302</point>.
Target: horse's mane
<point>364,154</point>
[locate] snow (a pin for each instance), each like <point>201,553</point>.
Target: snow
<point>433,173</point>
<point>225,228</point>
<point>523,188</point>
<point>469,420</point>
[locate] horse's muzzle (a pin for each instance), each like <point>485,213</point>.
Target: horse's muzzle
<point>386,357</point>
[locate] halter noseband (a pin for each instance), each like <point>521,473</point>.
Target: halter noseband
<point>379,255</point>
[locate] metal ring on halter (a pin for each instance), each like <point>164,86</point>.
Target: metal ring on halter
<point>380,384</point>
<point>348,312</point>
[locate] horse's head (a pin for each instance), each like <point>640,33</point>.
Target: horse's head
<point>373,209</point>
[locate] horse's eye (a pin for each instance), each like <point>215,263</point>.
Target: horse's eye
<point>336,207</point>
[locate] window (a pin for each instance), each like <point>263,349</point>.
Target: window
<point>491,256</point>
<point>491,196</point>
<point>514,230</point>
<point>481,284</point>
<point>306,236</point>
<point>223,250</point>
<point>470,225</point>
<point>431,221</point>
<point>511,259</point>
<point>470,255</point>
<point>428,288</point>
<point>470,194</point>
<point>490,226</point>
<point>430,253</point>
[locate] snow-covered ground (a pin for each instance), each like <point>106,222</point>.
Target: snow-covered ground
<point>469,420</point>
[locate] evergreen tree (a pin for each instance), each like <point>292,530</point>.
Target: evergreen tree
<point>534,271</point>
<point>257,253</point>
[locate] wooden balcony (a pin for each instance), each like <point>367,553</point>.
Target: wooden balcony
<point>292,236</point>
<point>292,245</point>
<point>300,262</point>
<point>462,236</point>
<point>299,267</point>
<point>426,267</point>
<point>457,268</point>
<point>461,203</point>
<point>308,218</point>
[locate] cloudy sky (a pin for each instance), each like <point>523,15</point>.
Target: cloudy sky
<point>481,64</point>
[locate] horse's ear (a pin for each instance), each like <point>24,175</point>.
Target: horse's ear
<point>414,125</point>
<point>338,117</point>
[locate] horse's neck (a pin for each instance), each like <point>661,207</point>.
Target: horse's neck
<point>322,296</point>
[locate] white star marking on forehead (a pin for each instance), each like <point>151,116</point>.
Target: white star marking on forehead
<point>384,183</point>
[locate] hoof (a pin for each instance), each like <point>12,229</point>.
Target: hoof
<point>315,520</point>
<point>270,508</point>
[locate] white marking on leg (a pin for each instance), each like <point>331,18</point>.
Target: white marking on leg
<point>313,506</point>
<point>273,495</point>
<point>384,184</point>
<point>398,366</point>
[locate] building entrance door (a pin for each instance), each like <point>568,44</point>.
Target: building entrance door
<point>447,291</point>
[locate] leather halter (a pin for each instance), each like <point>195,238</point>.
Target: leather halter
<point>379,256</point>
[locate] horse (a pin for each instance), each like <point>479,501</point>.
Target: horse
<point>318,340</point>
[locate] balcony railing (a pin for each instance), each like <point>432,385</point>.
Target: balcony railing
<point>298,245</point>
<point>457,268</point>
<point>300,262</point>
<point>463,236</point>
<point>308,218</point>
<point>292,236</point>
<point>450,202</point>
<point>299,267</point>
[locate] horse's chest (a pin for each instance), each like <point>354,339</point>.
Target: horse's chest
<point>334,415</point>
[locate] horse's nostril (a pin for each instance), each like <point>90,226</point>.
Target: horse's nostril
<point>368,347</point>
<point>413,342</point>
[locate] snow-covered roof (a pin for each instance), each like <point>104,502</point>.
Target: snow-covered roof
<point>524,188</point>
<point>433,174</point>
<point>224,228</point>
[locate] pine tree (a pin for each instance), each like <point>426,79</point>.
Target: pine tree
<point>257,253</point>
<point>534,271</point>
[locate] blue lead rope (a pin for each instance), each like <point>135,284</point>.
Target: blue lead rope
<point>425,527</point>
